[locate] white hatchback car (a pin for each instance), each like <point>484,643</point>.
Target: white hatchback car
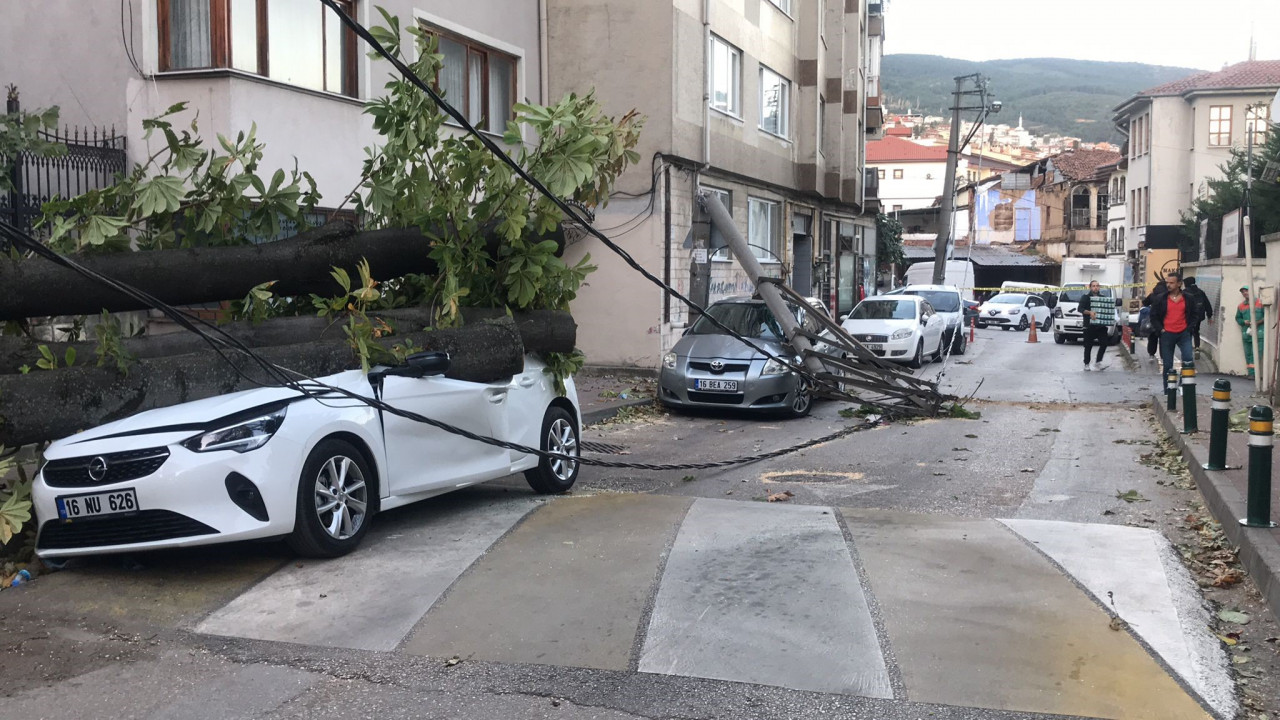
<point>1015,310</point>
<point>272,462</point>
<point>902,328</point>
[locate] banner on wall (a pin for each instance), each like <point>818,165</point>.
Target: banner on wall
<point>1160,262</point>
<point>1231,234</point>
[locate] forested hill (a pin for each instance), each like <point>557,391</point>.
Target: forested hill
<point>1054,95</point>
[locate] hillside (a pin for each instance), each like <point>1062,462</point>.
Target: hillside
<point>1054,95</point>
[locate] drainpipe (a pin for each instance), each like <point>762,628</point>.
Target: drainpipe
<point>544,78</point>
<point>706,91</point>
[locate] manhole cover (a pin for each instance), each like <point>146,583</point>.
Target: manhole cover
<point>802,477</point>
<point>602,448</point>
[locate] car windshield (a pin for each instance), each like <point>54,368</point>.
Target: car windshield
<point>1074,294</point>
<point>884,310</point>
<point>1008,299</point>
<point>941,300</point>
<point>751,320</point>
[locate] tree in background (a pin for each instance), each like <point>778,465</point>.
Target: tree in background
<point>1226,193</point>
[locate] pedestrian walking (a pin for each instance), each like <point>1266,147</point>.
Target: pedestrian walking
<point>1173,313</point>
<point>1099,317</point>
<point>1153,334</point>
<point>1242,319</point>
<point>1193,291</point>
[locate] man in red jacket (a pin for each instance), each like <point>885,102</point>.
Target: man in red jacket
<point>1175,314</point>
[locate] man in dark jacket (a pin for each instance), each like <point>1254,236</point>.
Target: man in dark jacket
<point>1099,317</point>
<point>1193,291</point>
<point>1153,336</point>
<point>1174,313</point>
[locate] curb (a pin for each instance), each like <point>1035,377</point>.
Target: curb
<point>591,417</point>
<point>1259,549</point>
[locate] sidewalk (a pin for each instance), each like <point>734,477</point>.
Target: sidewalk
<point>1225,491</point>
<point>603,392</point>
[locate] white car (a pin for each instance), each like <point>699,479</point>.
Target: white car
<point>948,302</point>
<point>902,328</point>
<point>1015,310</point>
<point>272,462</point>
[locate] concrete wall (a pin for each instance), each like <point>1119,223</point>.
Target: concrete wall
<point>1222,280</point>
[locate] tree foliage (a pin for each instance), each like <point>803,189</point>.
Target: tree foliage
<point>22,132</point>
<point>889,241</point>
<point>1227,193</point>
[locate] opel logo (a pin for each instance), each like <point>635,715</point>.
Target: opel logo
<point>98,469</point>
<point>717,366</point>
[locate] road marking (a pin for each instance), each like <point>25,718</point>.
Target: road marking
<point>1159,601</point>
<point>372,598</point>
<point>567,587</point>
<point>976,618</point>
<point>764,594</point>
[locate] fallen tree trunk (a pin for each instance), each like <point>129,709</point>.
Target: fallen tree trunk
<point>540,331</point>
<point>45,405</point>
<point>36,287</point>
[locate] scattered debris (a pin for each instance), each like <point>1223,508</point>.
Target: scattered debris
<point>959,412</point>
<point>1133,496</point>
<point>452,661</point>
<point>688,478</point>
<point>971,436</point>
<point>783,496</point>
<point>1234,616</point>
<point>1027,470</point>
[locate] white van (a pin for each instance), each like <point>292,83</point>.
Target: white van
<point>1024,287</point>
<point>959,274</point>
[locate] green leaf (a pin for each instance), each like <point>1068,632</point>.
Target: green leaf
<point>160,195</point>
<point>70,356</point>
<point>101,228</point>
<point>14,513</point>
<point>1234,616</point>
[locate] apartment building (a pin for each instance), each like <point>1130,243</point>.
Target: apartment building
<point>287,66</point>
<point>767,104</point>
<point>911,174</point>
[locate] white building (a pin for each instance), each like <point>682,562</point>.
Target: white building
<point>912,175</point>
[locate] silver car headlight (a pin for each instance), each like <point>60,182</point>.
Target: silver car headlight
<point>242,436</point>
<point>902,334</point>
<point>777,367</point>
<point>669,361</point>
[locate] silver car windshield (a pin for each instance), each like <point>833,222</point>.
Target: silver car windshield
<point>884,310</point>
<point>1074,295</point>
<point>751,320</point>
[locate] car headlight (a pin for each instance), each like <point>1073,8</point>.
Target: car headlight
<point>669,361</point>
<point>777,367</point>
<point>241,437</point>
<point>1015,311</point>
<point>902,334</point>
<point>1057,312</point>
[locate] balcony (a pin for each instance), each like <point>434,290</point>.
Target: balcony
<point>871,190</point>
<point>875,113</point>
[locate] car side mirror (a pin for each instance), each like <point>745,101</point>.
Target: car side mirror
<point>843,318</point>
<point>417,365</point>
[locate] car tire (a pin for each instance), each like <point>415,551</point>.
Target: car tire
<point>1023,324</point>
<point>335,501</point>
<point>937,354</point>
<point>961,346</point>
<point>1047,326</point>
<point>802,402</point>
<point>559,434</point>
<point>1060,338</point>
<point>917,362</point>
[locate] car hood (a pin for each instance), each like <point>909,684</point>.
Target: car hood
<point>168,425</point>
<point>725,347</point>
<point>1002,307</point>
<point>877,327</point>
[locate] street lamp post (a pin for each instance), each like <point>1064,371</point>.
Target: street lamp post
<point>954,147</point>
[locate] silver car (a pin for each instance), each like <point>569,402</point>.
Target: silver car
<point>708,368</point>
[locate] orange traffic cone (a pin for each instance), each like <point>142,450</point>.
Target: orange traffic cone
<point>1033,338</point>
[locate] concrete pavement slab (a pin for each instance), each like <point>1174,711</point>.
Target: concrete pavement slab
<point>977,618</point>
<point>1133,570</point>
<point>372,598</point>
<point>765,594</point>
<point>568,587</point>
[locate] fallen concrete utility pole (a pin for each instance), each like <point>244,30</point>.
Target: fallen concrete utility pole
<point>845,364</point>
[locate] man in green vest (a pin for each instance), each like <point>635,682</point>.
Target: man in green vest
<point>1242,319</point>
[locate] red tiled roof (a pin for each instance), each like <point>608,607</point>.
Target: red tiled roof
<point>1084,164</point>
<point>895,149</point>
<point>1248,74</point>
<point>898,131</point>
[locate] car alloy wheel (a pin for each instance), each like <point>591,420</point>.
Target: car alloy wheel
<point>1023,324</point>
<point>559,435</point>
<point>334,500</point>
<point>802,400</point>
<point>341,497</point>
<point>1047,326</point>
<point>917,361</point>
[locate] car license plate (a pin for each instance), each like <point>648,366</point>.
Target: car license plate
<point>873,346</point>
<point>718,385</point>
<point>108,503</point>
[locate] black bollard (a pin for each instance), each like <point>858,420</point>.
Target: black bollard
<point>1190,420</point>
<point>1219,419</point>
<point>1261,436</point>
<point>1171,391</point>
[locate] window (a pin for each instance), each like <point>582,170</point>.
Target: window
<point>764,229</point>
<point>1256,120</point>
<point>783,5</point>
<point>897,174</point>
<point>1219,125</point>
<point>479,81</point>
<point>725,70</point>
<point>300,42</point>
<point>1101,203</point>
<point>717,239</point>
<point>775,103</point>
<point>880,173</point>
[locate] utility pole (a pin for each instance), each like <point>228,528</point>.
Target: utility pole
<point>954,146</point>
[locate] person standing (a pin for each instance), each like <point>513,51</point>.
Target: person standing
<point>1099,317</point>
<point>1173,314</point>
<point>1153,335</point>
<point>1242,319</point>
<point>1193,291</point>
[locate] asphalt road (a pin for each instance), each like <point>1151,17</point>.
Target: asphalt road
<point>979,568</point>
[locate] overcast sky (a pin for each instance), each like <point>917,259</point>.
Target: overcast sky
<point>1204,34</point>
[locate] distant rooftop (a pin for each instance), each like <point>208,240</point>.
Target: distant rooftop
<point>1084,164</point>
<point>1245,75</point>
<point>896,149</point>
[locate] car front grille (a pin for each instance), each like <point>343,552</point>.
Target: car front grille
<point>872,338</point>
<point>120,467</point>
<point>716,398</point>
<point>139,527</point>
<point>728,367</point>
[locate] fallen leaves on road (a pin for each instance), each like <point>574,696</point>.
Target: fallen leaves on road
<point>1230,638</point>
<point>783,496</point>
<point>452,661</point>
<point>1234,616</point>
<point>1133,496</point>
<point>1116,623</point>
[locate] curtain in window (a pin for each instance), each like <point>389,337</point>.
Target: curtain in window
<point>761,229</point>
<point>190,44</point>
<point>501,71</point>
<point>453,73</point>
<point>475,85</point>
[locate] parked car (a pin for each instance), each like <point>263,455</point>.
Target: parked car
<point>971,313</point>
<point>272,462</point>
<point>1015,310</point>
<point>947,301</point>
<point>902,328</point>
<point>710,368</point>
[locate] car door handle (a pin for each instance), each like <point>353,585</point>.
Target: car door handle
<point>496,396</point>
<point>526,381</point>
